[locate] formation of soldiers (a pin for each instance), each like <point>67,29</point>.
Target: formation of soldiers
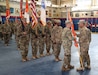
<point>51,35</point>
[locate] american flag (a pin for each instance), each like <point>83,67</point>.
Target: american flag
<point>34,16</point>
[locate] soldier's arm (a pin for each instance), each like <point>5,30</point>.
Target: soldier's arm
<point>19,31</point>
<point>89,35</point>
<point>69,35</point>
<point>3,28</point>
<point>83,36</point>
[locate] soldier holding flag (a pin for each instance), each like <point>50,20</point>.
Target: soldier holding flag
<point>67,43</point>
<point>23,34</point>
<point>84,42</point>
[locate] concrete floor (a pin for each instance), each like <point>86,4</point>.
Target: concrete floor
<point>10,61</point>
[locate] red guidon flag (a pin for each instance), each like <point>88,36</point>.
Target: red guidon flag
<point>72,29</point>
<point>21,14</point>
<point>7,9</point>
<point>26,15</point>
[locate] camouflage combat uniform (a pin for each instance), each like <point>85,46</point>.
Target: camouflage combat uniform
<point>1,35</point>
<point>56,39</point>
<point>34,41</point>
<point>6,32</point>
<point>48,38</point>
<point>84,42</point>
<point>12,29</point>
<point>23,39</point>
<point>67,43</point>
<point>16,25</point>
<point>41,39</point>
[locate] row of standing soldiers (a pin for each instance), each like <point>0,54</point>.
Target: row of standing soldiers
<point>39,36</point>
<point>51,35</point>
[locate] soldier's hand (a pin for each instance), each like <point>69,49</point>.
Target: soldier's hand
<point>54,42</point>
<point>24,33</point>
<point>74,38</point>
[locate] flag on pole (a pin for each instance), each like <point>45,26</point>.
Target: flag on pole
<point>7,9</point>
<point>43,13</point>
<point>72,29</point>
<point>21,3</point>
<point>34,16</point>
<point>26,15</point>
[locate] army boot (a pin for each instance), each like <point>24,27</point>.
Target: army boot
<point>88,67</point>
<point>80,69</point>
<point>65,69</point>
<point>57,59</point>
<point>24,59</point>
<point>70,66</point>
<point>34,57</point>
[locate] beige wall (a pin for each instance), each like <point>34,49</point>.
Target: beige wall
<point>54,12</point>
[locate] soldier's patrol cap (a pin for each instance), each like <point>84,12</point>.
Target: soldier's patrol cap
<point>57,21</point>
<point>49,21</point>
<point>81,21</point>
<point>67,22</point>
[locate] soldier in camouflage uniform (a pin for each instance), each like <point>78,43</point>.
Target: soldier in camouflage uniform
<point>11,26</point>
<point>23,33</point>
<point>34,41</point>
<point>56,39</point>
<point>84,42</point>
<point>48,37</point>
<point>1,35</point>
<point>52,38</point>
<point>41,37</point>
<point>67,43</point>
<point>6,32</point>
<point>16,25</point>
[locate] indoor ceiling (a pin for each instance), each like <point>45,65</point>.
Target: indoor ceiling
<point>60,2</point>
<point>55,2</point>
